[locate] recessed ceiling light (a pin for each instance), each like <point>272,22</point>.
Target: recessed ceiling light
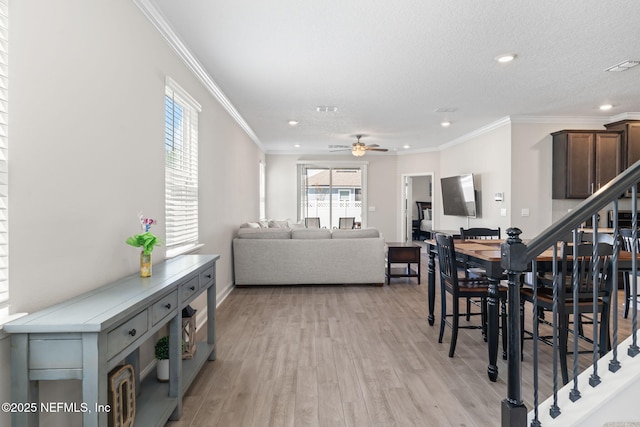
<point>507,57</point>
<point>293,122</point>
<point>297,145</point>
<point>445,124</point>
<point>406,146</point>
<point>606,107</point>
<point>623,66</point>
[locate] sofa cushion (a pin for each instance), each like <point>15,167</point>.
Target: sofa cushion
<point>264,233</point>
<point>310,233</point>
<point>355,234</point>
<point>250,225</point>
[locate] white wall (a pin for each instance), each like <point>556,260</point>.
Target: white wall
<point>87,154</point>
<point>488,157</point>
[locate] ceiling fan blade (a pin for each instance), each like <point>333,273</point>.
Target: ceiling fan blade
<point>376,149</point>
<point>373,145</point>
<point>339,146</point>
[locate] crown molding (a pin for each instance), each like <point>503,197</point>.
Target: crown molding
<point>586,120</point>
<point>480,131</point>
<point>624,116</point>
<point>160,23</point>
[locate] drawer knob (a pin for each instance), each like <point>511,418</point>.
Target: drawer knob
<point>168,306</point>
<point>208,276</point>
<point>193,288</point>
<point>133,332</point>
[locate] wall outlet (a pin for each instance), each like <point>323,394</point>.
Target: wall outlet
<point>372,208</point>
<point>525,212</point>
<point>503,211</point>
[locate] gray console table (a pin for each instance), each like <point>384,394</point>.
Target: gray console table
<point>87,336</point>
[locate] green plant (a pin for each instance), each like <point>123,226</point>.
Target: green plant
<point>147,240</point>
<point>162,348</point>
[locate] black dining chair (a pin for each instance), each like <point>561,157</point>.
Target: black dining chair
<point>627,243</point>
<point>565,296</point>
<point>346,223</point>
<point>312,222</point>
<point>460,288</point>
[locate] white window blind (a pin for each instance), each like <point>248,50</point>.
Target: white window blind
<point>181,169</point>
<point>4,229</point>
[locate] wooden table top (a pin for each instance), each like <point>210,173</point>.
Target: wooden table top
<point>489,250</point>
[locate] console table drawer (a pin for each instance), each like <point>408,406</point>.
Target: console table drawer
<point>206,276</point>
<point>189,288</point>
<point>126,333</point>
<point>164,307</point>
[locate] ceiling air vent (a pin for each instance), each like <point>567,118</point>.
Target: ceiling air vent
<point>623,66</point>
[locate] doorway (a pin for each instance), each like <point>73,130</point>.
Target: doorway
<point>415,188</point>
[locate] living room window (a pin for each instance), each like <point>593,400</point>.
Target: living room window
<point>4,226</point>
<point>330,191</point>
<point>181,169</point>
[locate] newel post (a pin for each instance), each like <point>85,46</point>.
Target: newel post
<point>514,261</point>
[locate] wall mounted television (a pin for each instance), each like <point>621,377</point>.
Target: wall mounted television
<point>459,195</point>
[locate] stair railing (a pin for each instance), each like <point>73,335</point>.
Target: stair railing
<point>517,258</point>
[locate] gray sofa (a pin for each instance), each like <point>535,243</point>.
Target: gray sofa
<point>282,256</point>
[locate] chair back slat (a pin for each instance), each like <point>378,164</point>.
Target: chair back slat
<point>447,259</point>
<point>479,233</point>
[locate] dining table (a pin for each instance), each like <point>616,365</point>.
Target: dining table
<point>487,254</point>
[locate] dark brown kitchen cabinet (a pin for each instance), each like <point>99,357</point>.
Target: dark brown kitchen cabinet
<point>584,161</point>
<point>630,139</point>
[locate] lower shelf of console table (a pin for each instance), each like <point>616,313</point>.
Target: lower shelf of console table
<point>153,405</point>
<point>87,336</point>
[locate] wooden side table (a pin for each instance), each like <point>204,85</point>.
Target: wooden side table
<point>403,253</point>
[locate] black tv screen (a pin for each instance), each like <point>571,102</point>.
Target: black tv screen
<point>458,195</point>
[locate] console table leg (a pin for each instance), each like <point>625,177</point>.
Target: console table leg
<point>175,363</point>
<point>211,320</point>
<point>94,379</point>
<point>22,390</point>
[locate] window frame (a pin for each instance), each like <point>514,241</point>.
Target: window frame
<point>4,167</point>
<point>302,166</point>
<point>181,176</point>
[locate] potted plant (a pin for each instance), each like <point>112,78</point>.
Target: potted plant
<point>162,355</point>
<point>147,241</point>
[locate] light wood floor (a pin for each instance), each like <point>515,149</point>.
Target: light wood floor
<point>347,356</point>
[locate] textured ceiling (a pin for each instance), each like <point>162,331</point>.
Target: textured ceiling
<point>388,66</point>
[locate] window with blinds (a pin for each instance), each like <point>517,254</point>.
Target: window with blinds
<point>4,229</point>
<point>181,169</point>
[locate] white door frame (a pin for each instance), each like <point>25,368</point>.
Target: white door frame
<point>403,223</point>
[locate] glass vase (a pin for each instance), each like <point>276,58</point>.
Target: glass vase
<point>145,264</point>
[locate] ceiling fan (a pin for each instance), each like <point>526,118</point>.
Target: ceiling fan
<point>358,148</point>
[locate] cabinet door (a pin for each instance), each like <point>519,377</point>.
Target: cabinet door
<point>580,165</point>
<point>633,143</point>
<point>608,158</point>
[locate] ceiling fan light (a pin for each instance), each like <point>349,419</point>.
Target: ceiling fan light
<point>358,150</point>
